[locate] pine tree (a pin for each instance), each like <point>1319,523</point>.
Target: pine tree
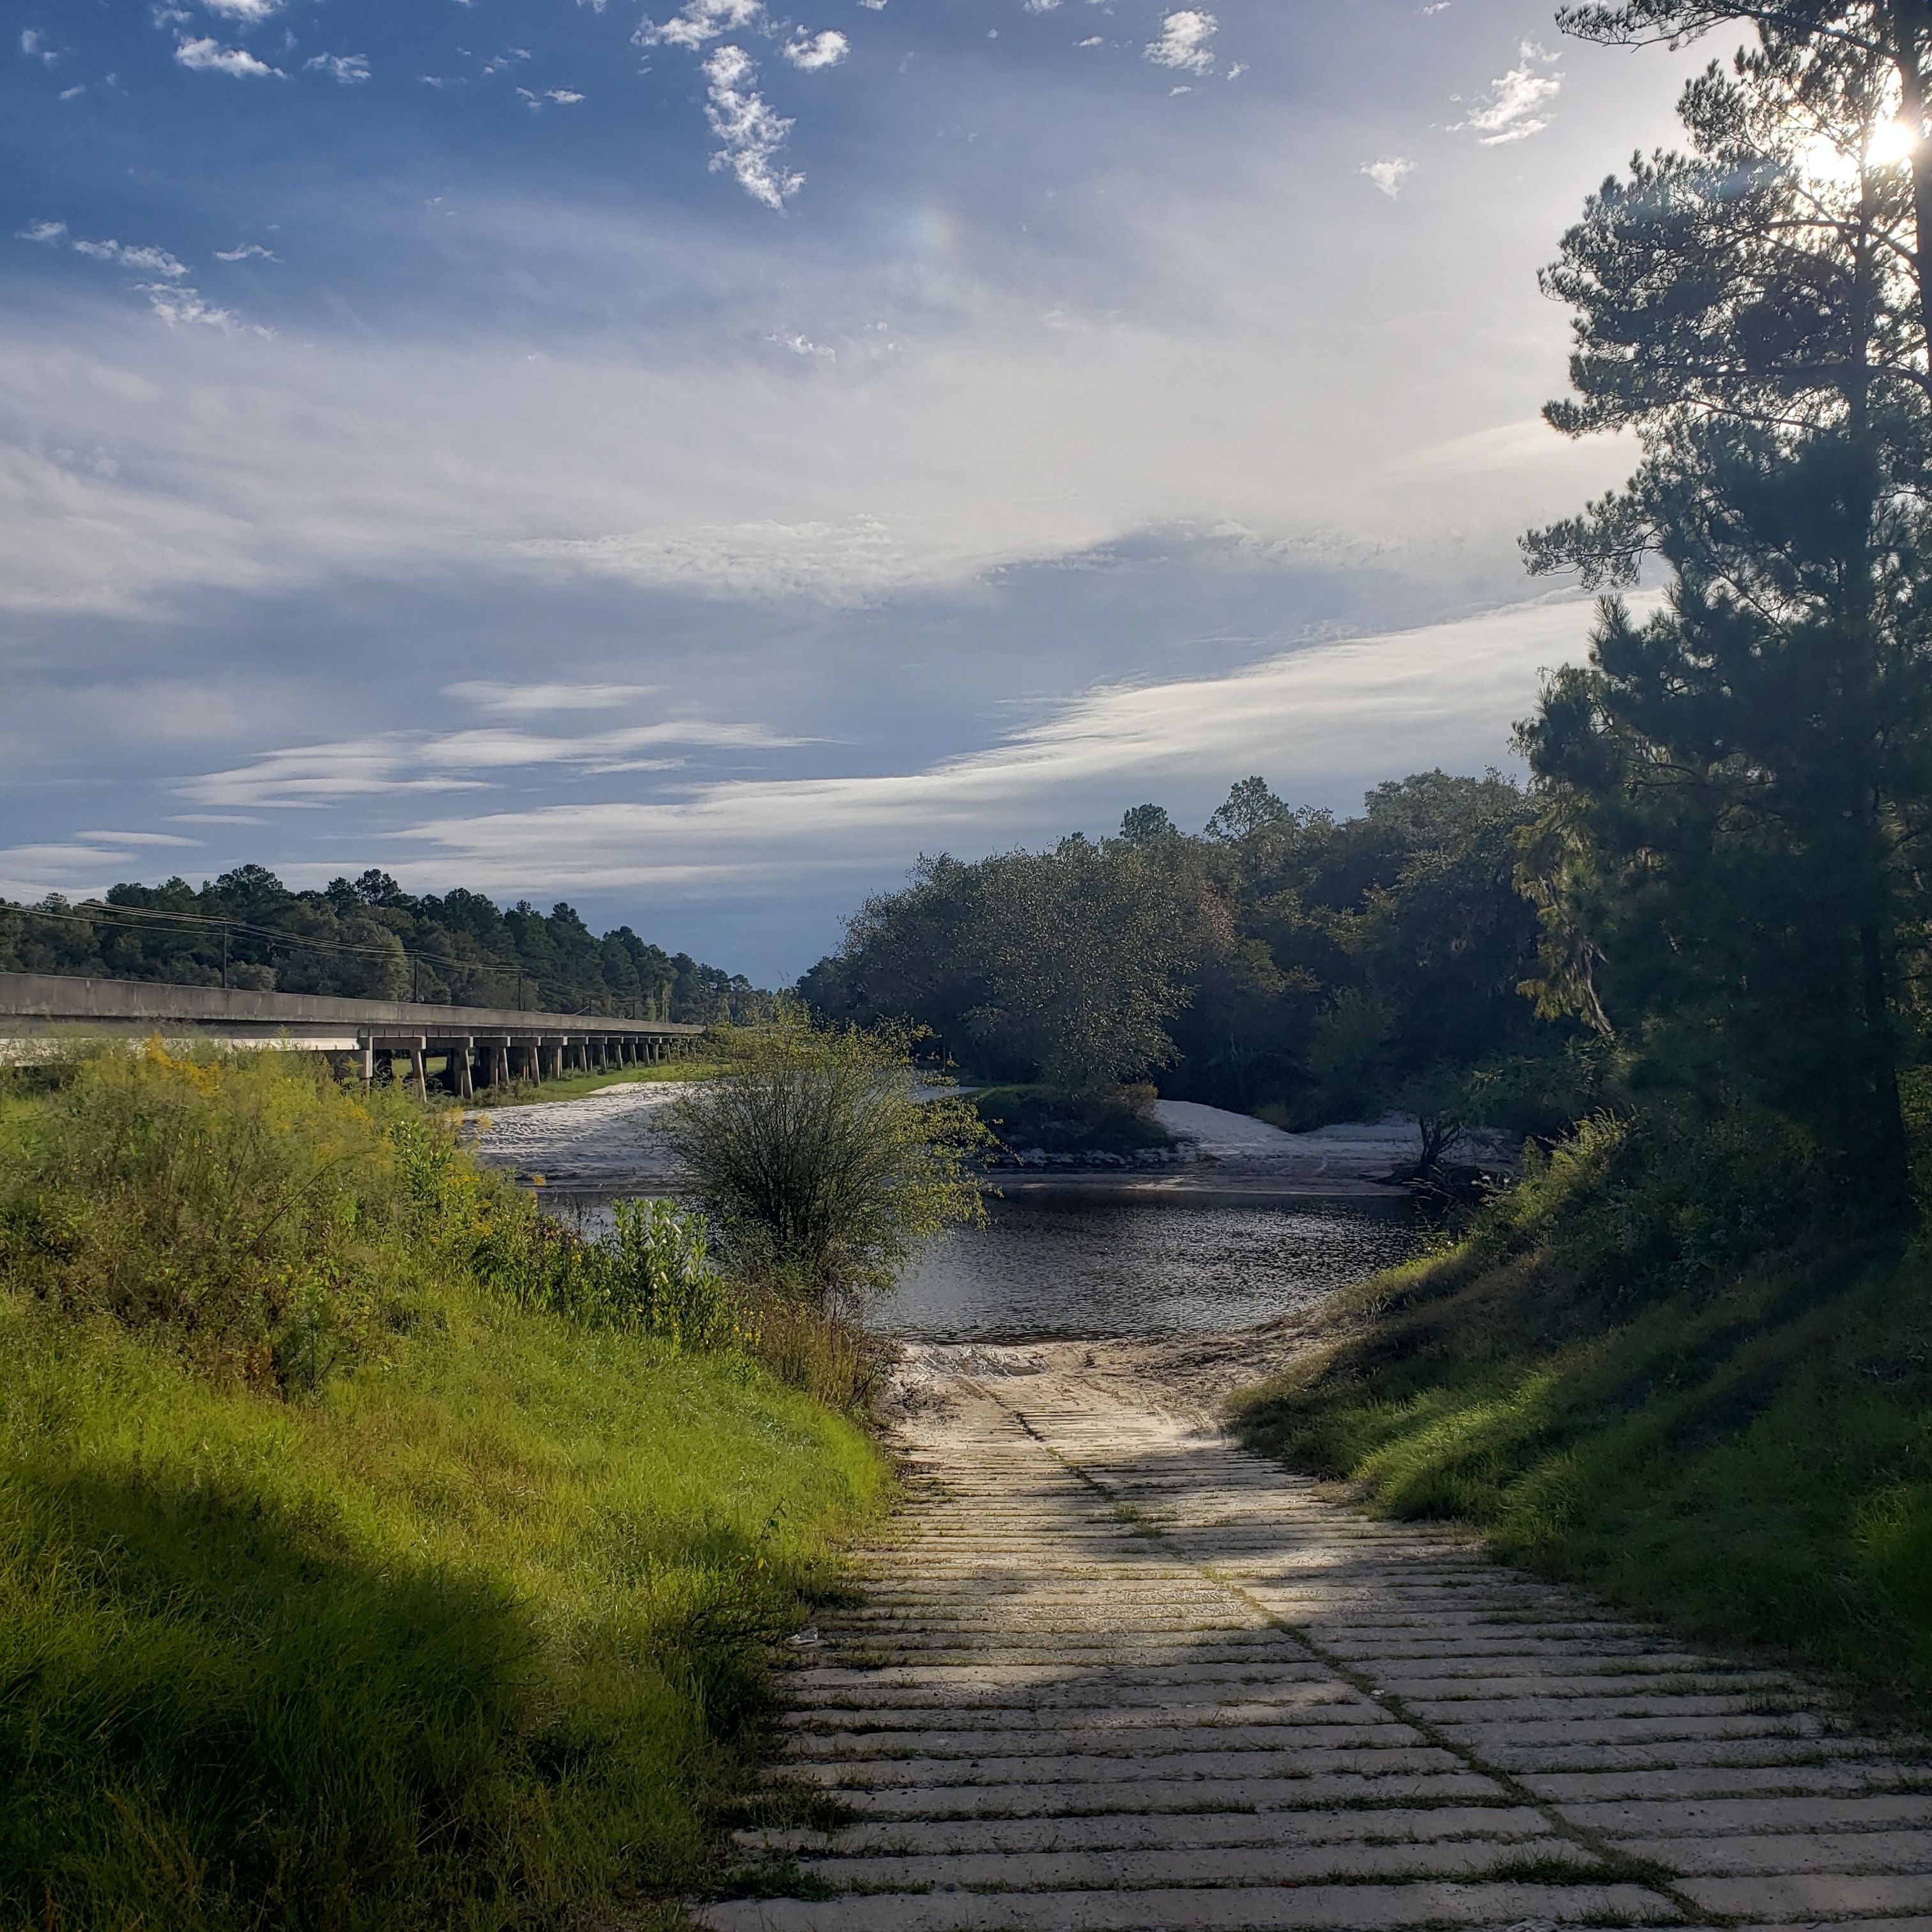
<point>1739,786</point>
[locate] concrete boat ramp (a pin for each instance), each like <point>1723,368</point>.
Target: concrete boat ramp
<point>1117,1675</point>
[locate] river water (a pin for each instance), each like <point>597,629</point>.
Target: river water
<point>1081,1267</point>
<point>1255,1224</point>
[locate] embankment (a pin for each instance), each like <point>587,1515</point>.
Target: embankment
<point>341,1583</point>
<point>1656,1370</point>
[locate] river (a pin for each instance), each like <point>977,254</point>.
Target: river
<point>1087,1265</point>
<point>1255,1224</point>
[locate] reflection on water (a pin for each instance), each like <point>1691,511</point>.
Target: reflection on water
<point>1076,1267</point>
<point>1064,1265</point>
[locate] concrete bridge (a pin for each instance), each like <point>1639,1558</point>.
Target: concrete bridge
<point>482,1045</point>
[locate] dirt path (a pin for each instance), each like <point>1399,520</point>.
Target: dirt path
<point>1121,1674</point>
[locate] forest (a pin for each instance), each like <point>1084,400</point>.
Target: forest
<point>366,938</point>
<point>1283,962</point>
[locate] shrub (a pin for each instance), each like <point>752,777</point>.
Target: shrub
<point>1120,1121</point>
<point>243,1204</point>
<point>273,1225</point>
<point>650,1275</point>
<point>1639,1205</point>
<point>819,1165</point>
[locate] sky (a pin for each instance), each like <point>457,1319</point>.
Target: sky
<point>691,463</point>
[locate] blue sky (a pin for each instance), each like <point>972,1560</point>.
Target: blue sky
<point>690,463</point>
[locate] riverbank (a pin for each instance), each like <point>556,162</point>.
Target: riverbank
<point>1645,1374</point>
<point>580,1086</point>
<point>610,1142</point>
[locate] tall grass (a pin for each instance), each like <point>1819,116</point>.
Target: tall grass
<point>380,1574</point>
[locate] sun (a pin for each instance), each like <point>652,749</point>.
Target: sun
<point>1891,141</point>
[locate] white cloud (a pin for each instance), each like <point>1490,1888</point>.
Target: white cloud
<point>803,345</point>
<point>697,21</point>
<point>1184,35</point>
<point>176,302</point>
<point>138,837</point>
<point>1041,6</point>
<point>833,563</point>
<point>247,11</point>
<point>562,96</point>
<point>149,261</point>
<point>810,52</point>
<point>751,131</point>
<point>41,231</point>
<point>1389,173</point>
<point>1316,722</point>
<point>210,56</point>
<point>1091,40</point>
<point>68,93</point>
<point>523,700</point>
<point>33,44</point>
<point>1513,110</point>
<point>243,251</point>
<point>311,776</point>
<point>347,68</point>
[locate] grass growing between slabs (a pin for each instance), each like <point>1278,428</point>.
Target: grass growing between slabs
<point>1657,1371</point>
<point>370,1556</point>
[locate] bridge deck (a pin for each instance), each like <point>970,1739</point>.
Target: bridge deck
<point>39,1009</point>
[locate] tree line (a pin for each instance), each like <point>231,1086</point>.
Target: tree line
<point>1285,962</point>
<point>366,938</point>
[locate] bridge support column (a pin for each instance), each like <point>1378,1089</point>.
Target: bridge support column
<point>465,1086</point>
<point>419,1073</point>
<point>368,1059</point>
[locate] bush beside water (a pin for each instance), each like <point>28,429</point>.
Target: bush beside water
<point>1663,1369</point>
<point>1119,1120</point>
<point>373,1551</point>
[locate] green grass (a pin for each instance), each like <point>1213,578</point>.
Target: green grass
<point>467,1630</point>
<point>529,1093</point>
<point>1741,1448</point>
